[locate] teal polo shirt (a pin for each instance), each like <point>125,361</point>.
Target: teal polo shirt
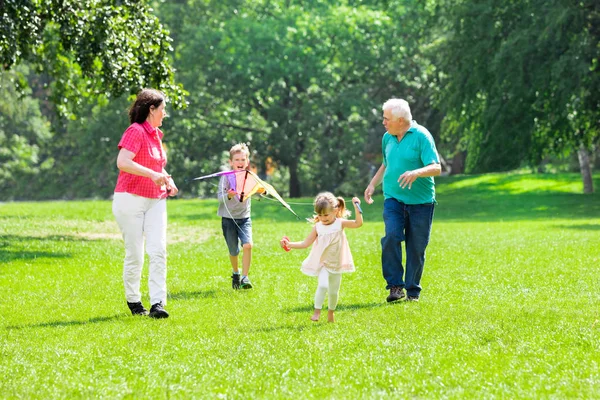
<point>414,151</point>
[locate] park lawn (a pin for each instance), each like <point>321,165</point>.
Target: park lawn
<point>509,307</point>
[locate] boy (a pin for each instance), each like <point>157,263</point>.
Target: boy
<point>235,217</point>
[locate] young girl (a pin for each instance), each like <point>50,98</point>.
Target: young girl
<point>330,256</point>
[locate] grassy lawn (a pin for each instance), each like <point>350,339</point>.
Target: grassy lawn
<point>509,307</point>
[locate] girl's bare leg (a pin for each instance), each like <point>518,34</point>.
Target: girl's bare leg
<point>330,317</point>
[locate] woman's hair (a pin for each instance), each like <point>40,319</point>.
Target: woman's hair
<point>399,108</point>
<point>239,148</point>
<point>326,202</point>
<point>146,98</point>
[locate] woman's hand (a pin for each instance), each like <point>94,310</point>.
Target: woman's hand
<point>172,188</point>
<point>160,178</point>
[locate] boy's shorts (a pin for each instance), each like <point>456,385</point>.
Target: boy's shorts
<point>236,231</point>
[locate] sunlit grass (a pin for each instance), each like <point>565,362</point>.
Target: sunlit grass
<point>509,307</point>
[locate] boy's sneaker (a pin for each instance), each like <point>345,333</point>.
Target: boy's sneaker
<point>137,308</point>
<point>235,281</point>
<point>246,284</point>
<point>157,311</point>
<point>396,293</point>
<point>412,298</point>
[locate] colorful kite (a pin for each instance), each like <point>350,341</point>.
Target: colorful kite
<point>246,183</point>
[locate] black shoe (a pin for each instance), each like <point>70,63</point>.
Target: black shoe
<point>157,311</point>
<point>396,293</point>
<point>412,298</point>
<point>137,308</point>
<point>235,281</point>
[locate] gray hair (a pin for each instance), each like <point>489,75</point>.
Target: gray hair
<point>399,108</point>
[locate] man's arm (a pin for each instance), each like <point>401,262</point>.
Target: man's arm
<point>374,182</point>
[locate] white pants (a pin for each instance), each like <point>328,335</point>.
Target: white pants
<point>138,216</point>
<point>328,282</point>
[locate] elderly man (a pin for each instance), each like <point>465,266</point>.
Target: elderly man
<point>410,161</point>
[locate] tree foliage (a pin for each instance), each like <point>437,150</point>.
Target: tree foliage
<point>519,79</point>
<point>23,131</point>
<point>507,83</point>
<point>88,47</point>
<point>296,79</point>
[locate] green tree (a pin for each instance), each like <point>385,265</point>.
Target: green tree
<point>23,130</point>
<point>296,79</point>
<point>520,79</point>
<point>88,47</point>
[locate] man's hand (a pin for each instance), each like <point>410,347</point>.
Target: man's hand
<point>407,179</point>
<point>368,193</point>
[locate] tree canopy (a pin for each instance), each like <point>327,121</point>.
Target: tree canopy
<point>88,47</point>
<point>520,79</point>
<point>500,84</point>
<point>298,80</point>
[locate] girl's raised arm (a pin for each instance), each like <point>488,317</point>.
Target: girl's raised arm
<point>354,223</point>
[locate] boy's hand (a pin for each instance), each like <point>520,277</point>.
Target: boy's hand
<point>231,194</point>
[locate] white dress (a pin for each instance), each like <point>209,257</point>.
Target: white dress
<point>330,251</point>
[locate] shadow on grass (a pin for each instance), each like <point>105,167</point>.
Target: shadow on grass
<point>313,324</point>
<point>358,306</point>
<point>591,227</point>
<point>11,247</point>
<point>511,197</point>
<point>59,324</point>
<point>295,328</point>
<point>192,295</point>
<point>8,256</point>
<point>341,307</point>
<point>6,240</point>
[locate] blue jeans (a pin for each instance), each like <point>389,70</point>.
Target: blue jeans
<point>236,231</point>
<point>410,224</point>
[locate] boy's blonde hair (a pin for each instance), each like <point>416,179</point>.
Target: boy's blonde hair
<point>239,148</point>
<point>325,202</point>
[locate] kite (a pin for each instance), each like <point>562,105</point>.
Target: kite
<point>246,183</point>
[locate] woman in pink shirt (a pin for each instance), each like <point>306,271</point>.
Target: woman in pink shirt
<point>139,203</point>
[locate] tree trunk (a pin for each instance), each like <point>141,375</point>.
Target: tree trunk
<point>294,182</point>
<point>586,170</point>
<point>458,163</point>
<point>542,165</point>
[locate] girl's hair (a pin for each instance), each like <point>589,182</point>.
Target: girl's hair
<point>239,148</point>
<point>326,202</point>
<point>399,108</point>
<point>139,110</point>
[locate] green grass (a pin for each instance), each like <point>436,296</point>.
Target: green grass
<point>509,307</point>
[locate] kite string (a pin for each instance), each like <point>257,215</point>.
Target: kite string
<point>262,197</point>
<point>227,209</point>
<point>289,202</point>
